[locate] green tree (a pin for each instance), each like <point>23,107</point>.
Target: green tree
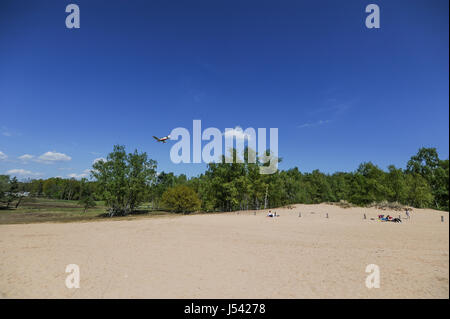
<point>419,191</point>
<point>427,164</point>
<point>368,185</point>
<point>181,199</point>
<point>13,192</point>
<point>124,179</point>
<point>87,202</point>
<point>396,184</point>
<point>441,191</point>
<point>424,163</point>
<point>4,188</point>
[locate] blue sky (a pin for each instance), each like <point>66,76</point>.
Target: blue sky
<point>339,93</point>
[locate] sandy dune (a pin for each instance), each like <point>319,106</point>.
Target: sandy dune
<point>231,256</point>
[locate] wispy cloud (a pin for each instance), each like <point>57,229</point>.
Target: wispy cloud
<point>78,176</point>
<point>53,157</point>
<point>335,106</point>
<point>7,132</point>
<point>84,174</point>
<point>26,157</point>
<point>3,156</point>
<point>313,124</point>
<point>20,172</point>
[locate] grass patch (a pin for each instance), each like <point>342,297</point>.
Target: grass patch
<point>43,210</point>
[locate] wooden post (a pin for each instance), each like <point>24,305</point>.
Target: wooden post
<point>365,216</point>
<point>442,219</point>
<point>327,215</point>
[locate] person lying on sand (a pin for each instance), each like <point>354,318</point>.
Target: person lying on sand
<point>274,214</point>
<point>389,219</point>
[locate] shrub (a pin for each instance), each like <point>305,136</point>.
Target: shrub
<point>181,199</point>
<point>87,202</point>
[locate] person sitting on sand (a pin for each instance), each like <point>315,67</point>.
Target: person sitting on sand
<point>270,214</point>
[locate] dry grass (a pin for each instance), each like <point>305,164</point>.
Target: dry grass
<point>385,205</point>
<point>43,210</point>
<point>342,203</point>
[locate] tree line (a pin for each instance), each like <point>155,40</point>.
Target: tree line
<point>126,180</point>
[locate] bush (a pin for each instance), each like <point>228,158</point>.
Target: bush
<point>181,199</point>
<point>87,202</point>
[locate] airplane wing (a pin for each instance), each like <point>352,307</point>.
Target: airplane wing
<point>156,138</point>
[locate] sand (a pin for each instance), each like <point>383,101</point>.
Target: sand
<point>231,255</point>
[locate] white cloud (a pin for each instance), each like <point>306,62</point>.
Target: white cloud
<point>52,157</point>
<point>26,157</point>
<point>5,131</point>
<point>3,156</point>
<point>98,159</point>
<point>22,173</point>
<point>73,175</point>
<point>320,122</point>
<point>85,174</point>
<point>237,133</point>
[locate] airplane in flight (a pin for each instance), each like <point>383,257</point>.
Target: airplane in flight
<point>162,139</point>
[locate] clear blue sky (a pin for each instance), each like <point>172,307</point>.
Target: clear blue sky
<point>340,93</point>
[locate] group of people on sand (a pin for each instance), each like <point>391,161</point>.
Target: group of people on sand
<point>389,218</point>
<point>274,214</point>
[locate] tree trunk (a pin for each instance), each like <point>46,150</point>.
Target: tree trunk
<point>18,202</point>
